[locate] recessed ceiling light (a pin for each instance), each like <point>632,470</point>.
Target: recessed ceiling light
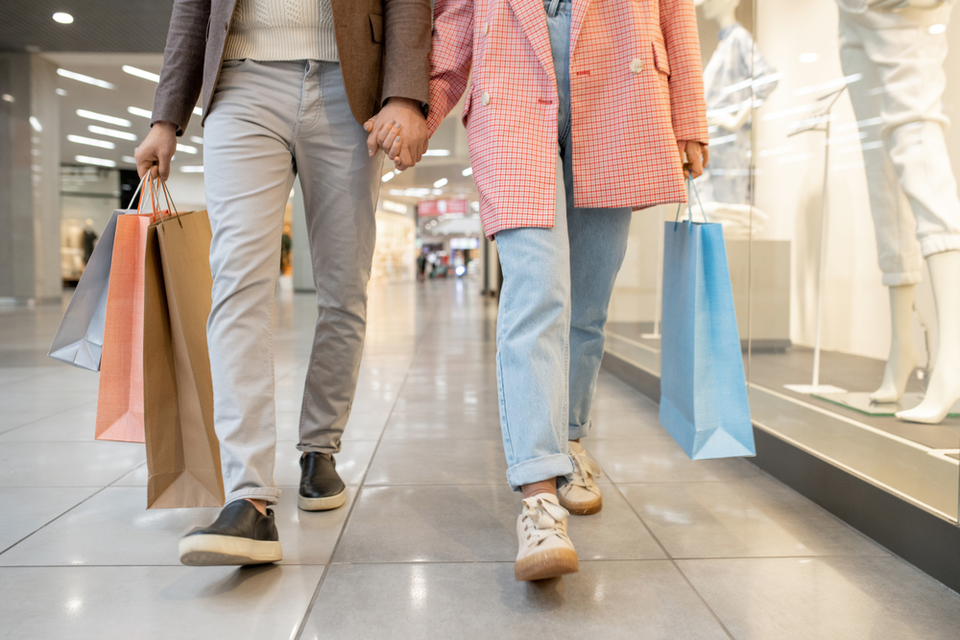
<point>93,115</point>
<point>8,98</point>
<point>112,133</point>
<point>186,148</point>
<point>140,73</point>
<point>100,162</point>
<point>467,172</point>
<point>93,142</point>
<point>439,183</point>
<point>63,18</point>
<point>196,139</point>
<point>192,168</point>
<point>936,29</point>
<point>437,152</point>
<point>79,77</point>
<point>35,124</point>
<point>61,92</point>
<point>137,111</point>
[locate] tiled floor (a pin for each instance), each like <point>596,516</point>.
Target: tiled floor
<point>424,547</point>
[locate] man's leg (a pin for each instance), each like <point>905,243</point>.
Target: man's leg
<point>340,185</point>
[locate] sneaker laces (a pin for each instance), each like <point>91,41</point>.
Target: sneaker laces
<point>547,518</point>
<point>584,468</point>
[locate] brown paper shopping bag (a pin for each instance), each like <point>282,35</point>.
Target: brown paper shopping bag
<point>120,397</point>
<point>183,453</point>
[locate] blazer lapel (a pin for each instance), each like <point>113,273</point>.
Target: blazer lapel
<point>576,21</point>
<point>533,20</point>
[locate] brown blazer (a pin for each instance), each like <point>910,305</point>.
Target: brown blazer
<point>384,48</point>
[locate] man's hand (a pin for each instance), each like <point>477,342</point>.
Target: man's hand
<point>155,151</point>
<point>691,153</point>
<point>400,130</point>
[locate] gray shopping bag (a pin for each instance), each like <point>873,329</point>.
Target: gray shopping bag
<point>79,339</point>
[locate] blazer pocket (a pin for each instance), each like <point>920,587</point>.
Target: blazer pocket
<point>660,57</point>
<point>376,27</point>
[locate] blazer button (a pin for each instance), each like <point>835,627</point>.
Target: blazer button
<point>486,28</point>
<point>485,98</point>
<point>636,65</point>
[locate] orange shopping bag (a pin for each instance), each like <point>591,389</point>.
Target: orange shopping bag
<point>120,399</point>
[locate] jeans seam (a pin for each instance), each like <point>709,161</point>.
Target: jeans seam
<point>503,410</point>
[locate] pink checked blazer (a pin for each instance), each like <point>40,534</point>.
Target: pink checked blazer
<point>636,88</point>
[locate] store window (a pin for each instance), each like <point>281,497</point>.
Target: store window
<point>834,172</point>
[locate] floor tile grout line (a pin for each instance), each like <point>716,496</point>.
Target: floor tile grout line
<point>95,493</point>
<point>418,344</point>
<point>46,417</point>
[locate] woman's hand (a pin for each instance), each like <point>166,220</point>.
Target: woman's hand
<point>693,155</point>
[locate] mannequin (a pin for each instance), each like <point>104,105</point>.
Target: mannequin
<point>725,186</point>
<point>913,193</point>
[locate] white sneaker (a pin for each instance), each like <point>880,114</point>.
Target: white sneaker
<point>545,547</point>
<point>581,496</point>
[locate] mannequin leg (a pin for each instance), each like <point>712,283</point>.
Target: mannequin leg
<point>944,388</point>
<point>903,354</point>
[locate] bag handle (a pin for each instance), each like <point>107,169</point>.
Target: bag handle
<point>170,205</point>
<point>690,184</point>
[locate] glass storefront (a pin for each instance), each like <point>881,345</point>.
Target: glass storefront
<point>833,172</point>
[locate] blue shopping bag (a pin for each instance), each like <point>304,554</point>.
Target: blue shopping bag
<point>703,390</point>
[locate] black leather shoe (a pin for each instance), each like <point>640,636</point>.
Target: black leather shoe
<point>321,488</point>
<point>241,535</point>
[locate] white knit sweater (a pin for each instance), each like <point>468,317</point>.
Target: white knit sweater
<point>282,30</point>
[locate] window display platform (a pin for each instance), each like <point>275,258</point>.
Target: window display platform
<point>897,482</point>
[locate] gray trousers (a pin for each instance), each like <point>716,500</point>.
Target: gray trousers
<point>268,123</point>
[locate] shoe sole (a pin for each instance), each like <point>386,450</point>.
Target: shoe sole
<point>546,564</point>
<point>322,504</point>
<point>210,550</point>
<point>581,508</point>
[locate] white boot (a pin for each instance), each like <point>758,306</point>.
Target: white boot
<point>903,355</point>
<point>545,548</point>
<point>944,388</point>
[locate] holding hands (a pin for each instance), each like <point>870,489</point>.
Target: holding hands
<point>400,130</point>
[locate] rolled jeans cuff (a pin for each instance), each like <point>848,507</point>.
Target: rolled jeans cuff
<point>939,243</point>
<point>578,431</point>
<point>539,469</point>
<point>319,448</point>
<point>268,494</point>
<point>902,278</point>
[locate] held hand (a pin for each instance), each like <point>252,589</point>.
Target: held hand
<point>155,151</point>
<point>695,155</point>
<point>400,130</point>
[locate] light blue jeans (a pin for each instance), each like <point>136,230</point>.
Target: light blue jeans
<point>557,284</point>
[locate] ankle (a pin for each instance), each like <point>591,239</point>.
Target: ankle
<point>536,488</point>
<point>261,505</point>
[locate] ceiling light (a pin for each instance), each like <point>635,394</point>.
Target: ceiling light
<point>439,183</point>
<point>61,92</point>
<point>8,98</point>
<point>198,111</point>
<point>137,111</point>
<point>111,133</point>
<point>388,176</point>
<point>35,124</point>
<point>809,57</point>
<point>129,159</point>
<point>186,148</point>
<point>92,115</point>
<point>140,73</point>
<point>467,172</point>
<point>79,77</point>
<point>936,29</point>
<point>63,18</point>
<point>196,139</point>
<point>192,168</point>
<point>100,162</point>
<point>103,144</point>
<point>437,152</point>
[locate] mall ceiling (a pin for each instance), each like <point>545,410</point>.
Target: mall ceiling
<point>116,26</point>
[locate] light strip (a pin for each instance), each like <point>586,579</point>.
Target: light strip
<point>439,183</point>
<point>93,115</point>
<point>137,111</point>
<point>79,77</point>
<point>197,111</point>
<point>467,172</point>
<point>103,144</point>
<point>100,162</point>
<point>129,159</point>
<point>112,133</point>
<point>35,124</point>
<point>437,152</point>
<point>140,73</point>
<point>388,176</point>
<point>186,148</point>
<point>192,168</point>
<point>196,139</point>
